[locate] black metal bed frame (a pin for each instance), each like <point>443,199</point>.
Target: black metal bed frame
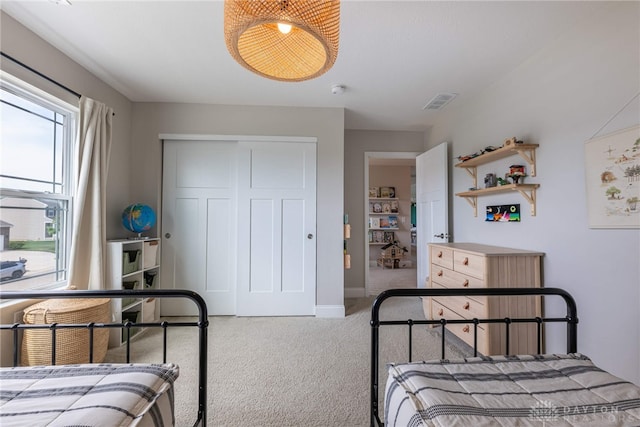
<point>571,320</point>
<point>202,324</point>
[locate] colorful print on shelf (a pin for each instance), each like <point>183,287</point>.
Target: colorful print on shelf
<point>503,213</point>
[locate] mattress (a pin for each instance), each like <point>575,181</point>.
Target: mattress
<point>97,395</point>
<point>551,390</point>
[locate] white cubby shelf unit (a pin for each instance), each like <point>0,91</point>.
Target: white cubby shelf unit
<point>132,264</point>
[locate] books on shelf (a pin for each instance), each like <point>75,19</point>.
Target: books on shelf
<point>384,207</point>
<point>382,192</point>
<point>379,236</point>
<point>389,221</point>
<point>387,192</point>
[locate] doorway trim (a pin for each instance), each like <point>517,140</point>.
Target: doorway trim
<point>368,155</point>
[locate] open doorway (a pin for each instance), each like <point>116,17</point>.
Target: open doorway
<point>390,250</point>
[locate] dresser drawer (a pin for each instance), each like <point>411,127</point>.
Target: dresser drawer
<point>466,263</point>
<point>461,330</point>
<point>484,300</point>
<point>442,257</point>
<point>452,279</point>
<point>467,308</point>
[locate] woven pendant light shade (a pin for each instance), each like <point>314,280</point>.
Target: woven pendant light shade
<point>307,51</point>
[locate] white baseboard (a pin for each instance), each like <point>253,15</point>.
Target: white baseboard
<point>330,311</point>
<point>354,293</point>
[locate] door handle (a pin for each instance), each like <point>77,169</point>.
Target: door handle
<point>442,235</point>
<point>309,236</point>
<point>167,235</point>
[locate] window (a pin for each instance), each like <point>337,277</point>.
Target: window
<point>36,144</point>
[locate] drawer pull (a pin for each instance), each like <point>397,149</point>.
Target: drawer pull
<point>465,284</point>
<point>440,254</point>
<point>440,273</point>
<point>465,261</point>
<point>466,305</point>
<point>465,329</point>
<point>440,312</point>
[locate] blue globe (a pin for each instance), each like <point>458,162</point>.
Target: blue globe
<point>138,218</point>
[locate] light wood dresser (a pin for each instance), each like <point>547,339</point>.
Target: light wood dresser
<point>473,265</point>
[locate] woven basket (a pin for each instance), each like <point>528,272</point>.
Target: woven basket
<point>72,345</point>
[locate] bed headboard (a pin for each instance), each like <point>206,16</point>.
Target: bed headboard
<point>571,320</point>
<point>201,323</point>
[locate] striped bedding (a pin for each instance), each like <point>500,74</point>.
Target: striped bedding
<point>546,390</point>
<point>106,395</point>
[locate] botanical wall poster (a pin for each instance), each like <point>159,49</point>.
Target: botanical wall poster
<point>613,179</point>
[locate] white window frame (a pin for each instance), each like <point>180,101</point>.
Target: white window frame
<point>31,93</point>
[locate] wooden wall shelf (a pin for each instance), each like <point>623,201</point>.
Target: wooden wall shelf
<point>528,191</point>
<point>526,151</point>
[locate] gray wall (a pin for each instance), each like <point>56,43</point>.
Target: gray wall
<point>559,99</point>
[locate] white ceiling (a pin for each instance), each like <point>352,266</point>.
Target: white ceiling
<point>394,55</point>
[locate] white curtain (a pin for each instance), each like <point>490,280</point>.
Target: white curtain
<point>88,241</point>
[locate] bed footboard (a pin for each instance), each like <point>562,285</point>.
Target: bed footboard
<point>202,325</point>
<point>571,321</point>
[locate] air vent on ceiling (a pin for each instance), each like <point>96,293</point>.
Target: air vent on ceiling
<point>439,101</point>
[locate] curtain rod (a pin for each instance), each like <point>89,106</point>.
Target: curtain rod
<point>33,70</point>
<point>22,64</point>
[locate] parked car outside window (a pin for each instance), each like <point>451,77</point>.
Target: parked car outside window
<point>12,269</point>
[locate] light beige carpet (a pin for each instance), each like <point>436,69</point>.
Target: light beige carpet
<point>388,278</point>
<point>288,371</point>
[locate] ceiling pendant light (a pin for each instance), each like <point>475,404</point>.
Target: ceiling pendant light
<point>287,40</point>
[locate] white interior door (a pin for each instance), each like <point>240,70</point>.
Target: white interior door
<point>432,205</point>
<point>199,224</point>
<point>277,228</point>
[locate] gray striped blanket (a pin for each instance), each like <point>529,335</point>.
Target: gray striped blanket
<point>547,390</point>
<point>88,395</point>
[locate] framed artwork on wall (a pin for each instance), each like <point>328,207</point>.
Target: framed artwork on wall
<point>613,179</point>
<point>503,213</point>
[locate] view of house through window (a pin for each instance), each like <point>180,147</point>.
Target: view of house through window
<point>36,139</point>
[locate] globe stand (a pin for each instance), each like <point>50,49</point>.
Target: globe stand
<point>138,237</point>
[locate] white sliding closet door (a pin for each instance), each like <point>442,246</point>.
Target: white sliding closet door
<point>199,224</point>
<point>239,224</point>
<point>277,227</point>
